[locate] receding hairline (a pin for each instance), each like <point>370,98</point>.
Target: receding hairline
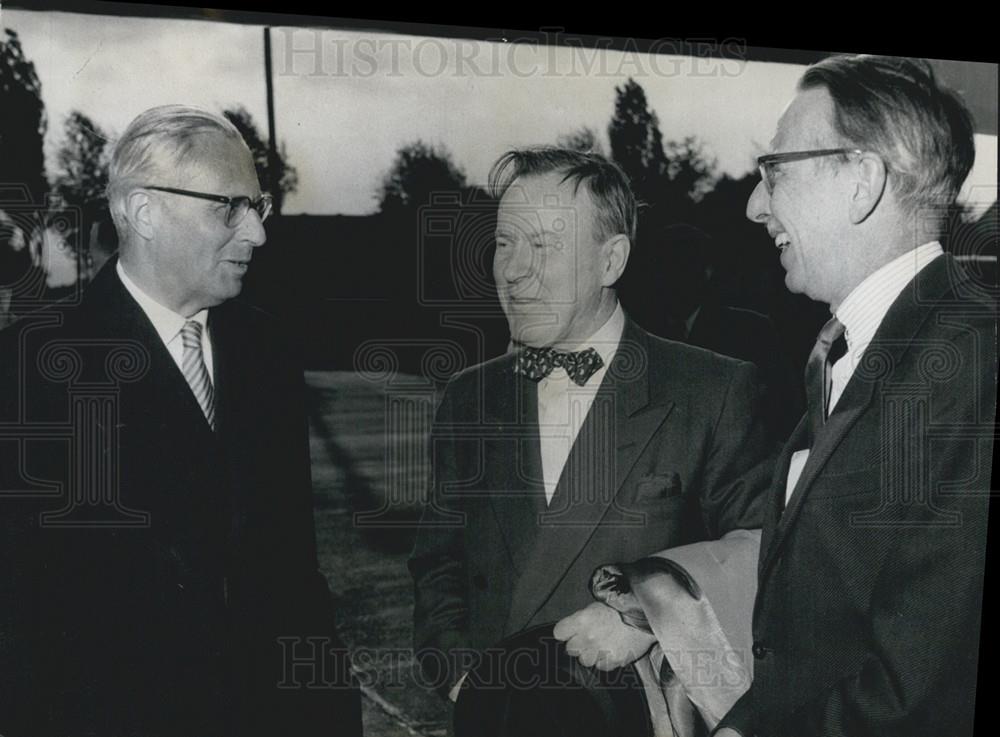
<point>567,177</point>
<point>165,146</point>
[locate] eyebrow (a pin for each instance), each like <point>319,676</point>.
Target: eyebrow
<point>531,237</point>
<point>500,231</point>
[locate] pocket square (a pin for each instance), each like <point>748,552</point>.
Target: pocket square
<point>658,486</point>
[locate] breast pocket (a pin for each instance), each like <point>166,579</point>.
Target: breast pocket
<point>657,487</point>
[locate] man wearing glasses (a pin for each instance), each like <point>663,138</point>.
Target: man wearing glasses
<point>162,579</point>
<point>871,573</point>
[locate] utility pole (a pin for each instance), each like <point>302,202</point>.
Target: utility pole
<point>272,138</point>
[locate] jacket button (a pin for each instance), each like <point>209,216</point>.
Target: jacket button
<point>760,651</point>
<point>479,581</point>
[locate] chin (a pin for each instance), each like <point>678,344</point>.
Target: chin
<point>534,337</point>
<point>792,283</point>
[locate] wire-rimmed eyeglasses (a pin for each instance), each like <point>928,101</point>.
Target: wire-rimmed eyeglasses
<point>767,163</point>
<point>238,206</point>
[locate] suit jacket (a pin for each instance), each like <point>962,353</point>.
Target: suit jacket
<point>672,451</point>
<point>867,615</point>
<point>153,563</point>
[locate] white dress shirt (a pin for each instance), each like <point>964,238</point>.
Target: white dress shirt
<point>168,324</point>
<point>861,313</point>
<point>563,406</point>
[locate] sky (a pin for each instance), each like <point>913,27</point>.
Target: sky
<point>347,100</point>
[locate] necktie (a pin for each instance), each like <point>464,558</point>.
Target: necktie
<point>819,375</point>
<point>193,367</point>
<point>537,363</point>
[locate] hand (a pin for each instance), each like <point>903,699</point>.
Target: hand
<point>597,636</point>
<point>453,694</point>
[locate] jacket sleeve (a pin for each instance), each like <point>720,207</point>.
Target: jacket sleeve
<point>741,717</point>
<point>741,457</point>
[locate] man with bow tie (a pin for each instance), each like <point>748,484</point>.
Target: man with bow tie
<point>590,441</point>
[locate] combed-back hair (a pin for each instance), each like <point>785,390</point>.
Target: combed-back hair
<point>154,146</point>
<point>895,107</point>
<point>609,189</point>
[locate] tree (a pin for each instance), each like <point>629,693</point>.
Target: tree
<point>692,171</point>
<point>285,175</point>
<point>82,178</point>
<point>419,171</point>
<point>22,131</point>
<point>23,122</point>
<point>83,161</point>
<point>636,141</point>
<point>668,177</point>
<point>582,139</point>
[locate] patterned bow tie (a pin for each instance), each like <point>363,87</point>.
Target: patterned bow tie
<point>537,363</point>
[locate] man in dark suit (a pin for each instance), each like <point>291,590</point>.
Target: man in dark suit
<point>160,572</point>
<point>591,441</point>
<point>867,614</point>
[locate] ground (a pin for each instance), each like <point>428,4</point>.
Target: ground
<point>368,444</point>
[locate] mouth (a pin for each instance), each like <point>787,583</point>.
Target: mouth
<point>240,266</point>
<point>782,241</point>
<point>520,298</point>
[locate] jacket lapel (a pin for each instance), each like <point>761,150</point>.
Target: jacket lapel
<point>837,426</point>
<point>515,481</point>
<point>159,419</point>
<point>776,501</point>
<point>616,430</point>
<point>224,377</point>
<point>889,344</point>
<point>161,391</point>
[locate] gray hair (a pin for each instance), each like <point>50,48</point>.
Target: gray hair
<point>896,108</point>
<point>608,185</point>
<point>157,143</point>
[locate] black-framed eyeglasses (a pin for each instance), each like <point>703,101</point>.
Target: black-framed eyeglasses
<point>767,163</point>
<point>238,206</point>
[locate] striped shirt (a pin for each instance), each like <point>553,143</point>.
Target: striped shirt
<point>861,313</point>
<point>866,306</point>
<point>168,324</point>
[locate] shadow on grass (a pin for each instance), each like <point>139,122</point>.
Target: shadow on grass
<point>380,525</point>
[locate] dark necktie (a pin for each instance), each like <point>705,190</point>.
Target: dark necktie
<point>829,347</point>
<point>537,363</point>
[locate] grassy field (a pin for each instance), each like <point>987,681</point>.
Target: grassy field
<point>368,446</point>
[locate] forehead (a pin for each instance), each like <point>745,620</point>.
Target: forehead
<point>221,165</point>
<point>544,201</point>
<point>806,123</point>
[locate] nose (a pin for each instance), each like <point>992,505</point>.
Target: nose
<point>759,204</point>
<point>514,261</point>
<point>252,229</point>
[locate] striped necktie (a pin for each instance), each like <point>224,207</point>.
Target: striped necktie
<point>193,367</point>
<point>829,347</point>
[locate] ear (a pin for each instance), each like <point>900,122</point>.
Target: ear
<point>869,188</point>
<point>138,213</point>
<point>614,257</point>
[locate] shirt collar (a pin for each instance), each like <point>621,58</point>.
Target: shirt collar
<point>166,322</point>
<point>865,307</point>
<point>604,340</point>
<point>607,337</point>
